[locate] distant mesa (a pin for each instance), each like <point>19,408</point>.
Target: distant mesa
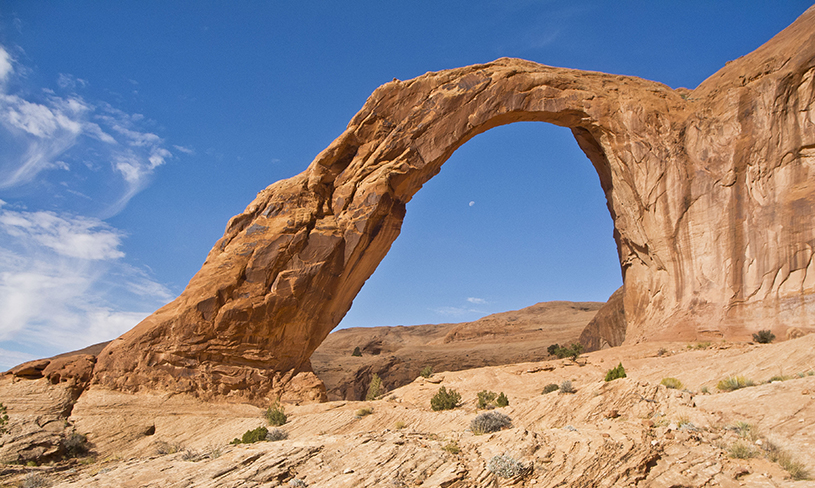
<point>711,191</point>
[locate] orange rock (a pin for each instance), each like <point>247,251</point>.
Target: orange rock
<point>711,191</point>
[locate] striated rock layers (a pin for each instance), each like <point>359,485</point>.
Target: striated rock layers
<point>711,192</point>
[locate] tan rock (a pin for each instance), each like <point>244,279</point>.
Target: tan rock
<point>711,191</point>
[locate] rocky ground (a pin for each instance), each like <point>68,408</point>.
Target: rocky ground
<point>398,354</point>
<point>627,432</point>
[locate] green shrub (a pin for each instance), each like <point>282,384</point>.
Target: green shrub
<point>615,373</point>
<point>487,422</point>
<point>252,436</point>
<point>550,388</point>
<point>671,383</point>
<point>502,400</point>
<point>362,412</point>
<point>778,377</point>
<point>445,400</point>
<point>75,445</point>
<point>426,372</point>
<point>451,447</point>
<point>775,454</point>
<point>552,349</point>
<point>400,425</point>
<point>734,383</point>
<point>566,387</point>
<point>561,352</point>
<point>357,352</point>
<point>375,389</point>
<point>764,337</point>
<point>704,390</point>
<point>505,466</point>
<point>3,419</point>
<point>486,399</point>
<point>741,450</point>
<point>277,435</point>
<point>275,415</point>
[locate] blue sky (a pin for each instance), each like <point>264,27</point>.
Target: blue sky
<point>131,131</point>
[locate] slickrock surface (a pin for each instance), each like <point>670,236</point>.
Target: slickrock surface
<point>711,192</point>
<point>628,432</point>
<point>398,354</point>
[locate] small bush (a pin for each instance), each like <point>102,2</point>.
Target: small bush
<point>566,387</point>
<point>275,415</point>
<point>699,345</point>
<point>505,466</point>
<point>362,412</point>
<point>734,383</point>
<point>615,373</point>
<point>796,469</point>
<point>671,383</point>
<point>763,337</point>
<point>486,400</point>
<point>297,483</point>
<point>705,390</point>
<point>550,388</point>
<point>277,435</point>
<point>746,431</point>
<point>375,389</point>
<point>445,400</point>
<point>778,377</point>
<point>451,447</point>
<point>487,422</point>
<point>426,372</point>
<point>741,450</point>
<point>36,480</point>
<point>75,445</point>
<point>3,419</point>
<point>400,425</point>
<point>252,436</point>
<point>561,352</point>
<point>357,352</point>
<point>502,400</point>
<point>163,448</point>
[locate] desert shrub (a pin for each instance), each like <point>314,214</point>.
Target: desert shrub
<point>357,352</point>
<point>775,454</point>
<point>615,373</point>
<point>487,422</point>
<point>505,466</point>
<point>362,412</point>
<point>445,400</point>
<point>399,425</point>
<point>451,447</point>
<point>36,480</point>
<point>486,399</point>
<point>734,383</point>
<point>275,415</point>
<point>252,436</point>
<point>426,372</point>
<point>277,435</point>
<point>502,400</point>
<point>561,352</point>
<point>741,450</point>
<point>374,388</point>
<point>778,377</point>
<point>671,383</point>
<point>566,387</point>
<point>746,431</point>
<point>699,345</point>
<point>705,390</point>
<point>75,445</point>
<point>550,388</point>
<point>192,456</point>
<point>3,419</point>
<point>764,337</point>
<point>163,448</point>
<point>297,483</point>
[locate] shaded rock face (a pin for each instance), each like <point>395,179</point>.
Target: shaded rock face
<point>710,191</point>
<point>607,328</point>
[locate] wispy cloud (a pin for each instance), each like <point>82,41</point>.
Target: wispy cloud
<point>477,301</point>
<point>63,283</point>
<point>70,161</point>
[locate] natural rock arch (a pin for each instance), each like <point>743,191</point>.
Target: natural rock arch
<point>710,192</point>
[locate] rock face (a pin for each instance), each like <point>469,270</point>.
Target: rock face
<point>607,328</point>
<point>398,354</point>
<point>712,193</point>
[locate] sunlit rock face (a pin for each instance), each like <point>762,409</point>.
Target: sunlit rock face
<point>711,192</point>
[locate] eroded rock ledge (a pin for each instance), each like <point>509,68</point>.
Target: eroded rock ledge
<point>710,191</point>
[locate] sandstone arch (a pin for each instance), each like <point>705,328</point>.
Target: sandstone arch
<point>710,192</point>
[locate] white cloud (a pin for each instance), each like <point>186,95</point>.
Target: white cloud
<point>478,301</point>
<point>62,283</point>
<point>5,65</point>
<point>185,150</point>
